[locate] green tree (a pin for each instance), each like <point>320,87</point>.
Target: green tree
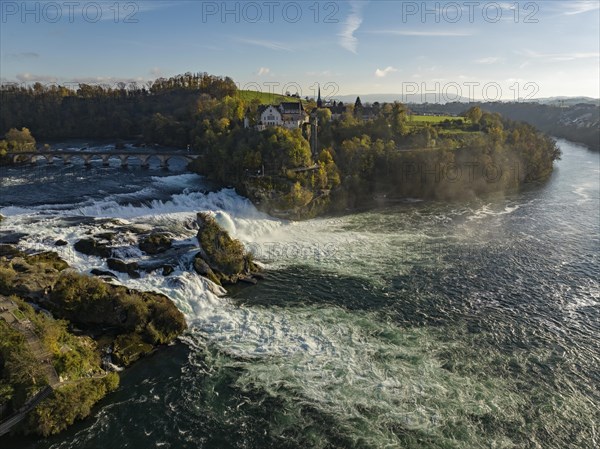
<point>358,107</point>
<point>20,140</point>
<point>3,147</point>
<point>474,114</point>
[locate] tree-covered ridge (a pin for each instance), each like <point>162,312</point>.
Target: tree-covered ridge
<point>103,112</point>
<point>367,151</point>
<point>389,154</point>
<point>575,122</point>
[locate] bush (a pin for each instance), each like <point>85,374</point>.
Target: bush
<point>7,276</point>
<point>68,403</point>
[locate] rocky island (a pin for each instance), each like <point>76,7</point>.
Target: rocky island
<point>316,157</point>
<point>64,335</point>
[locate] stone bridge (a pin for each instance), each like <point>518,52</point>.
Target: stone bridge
<point>105,156</point>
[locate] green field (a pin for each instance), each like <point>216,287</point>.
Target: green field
<point>432,119</point>
<point>264,97</point>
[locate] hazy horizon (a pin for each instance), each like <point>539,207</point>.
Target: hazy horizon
<point>479,50</point>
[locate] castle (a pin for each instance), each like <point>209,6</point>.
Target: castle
<point>290,115</point>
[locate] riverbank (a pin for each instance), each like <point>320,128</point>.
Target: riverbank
<point>464,324</point>
<point>81,329</point>
<point>103,327</point>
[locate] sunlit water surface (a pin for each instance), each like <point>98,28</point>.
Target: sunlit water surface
<point>423,325</point>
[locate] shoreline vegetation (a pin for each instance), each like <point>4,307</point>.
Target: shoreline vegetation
<point>364,154</point>
<point>82,331</point>
<point>74,332</point>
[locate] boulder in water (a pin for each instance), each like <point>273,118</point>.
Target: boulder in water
<point>167,270</point>
<point>92,247</point>
<point>222,257</point>
<point>156,243</point>
<point>103,273</point>
<point>61,242</point>
<point>108,236</point>
<point>124,267</point>
<point>9,251</point>
<point>203,269</point>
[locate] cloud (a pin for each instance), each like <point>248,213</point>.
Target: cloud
<point>385,72</point>
<point>106,80</point>
<point>322,73</point>
<point>27,77</point>
<point>422,33</point>
<point>271,45</point>
<point>559,57</point>
<point>24,56</point>
<point>263,71</point>
<point>579,7</point>
<point>156,71</point>
<point>352,23</point>
<point>508,6</point>
<point>126,12</point>
<point>489,60</point>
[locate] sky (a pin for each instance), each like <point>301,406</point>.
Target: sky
<point>438,50</point>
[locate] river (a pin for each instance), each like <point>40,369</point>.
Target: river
<point>420,325</point>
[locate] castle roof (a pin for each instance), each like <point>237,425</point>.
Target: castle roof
<point>292,107</point>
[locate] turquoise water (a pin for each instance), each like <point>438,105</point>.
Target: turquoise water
<point>423,325</point>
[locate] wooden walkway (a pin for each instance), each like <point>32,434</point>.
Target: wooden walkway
<point>20,415</point>
<point>11,314</point>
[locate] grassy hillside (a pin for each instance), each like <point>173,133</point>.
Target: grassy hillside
<point>264,97</point>
<point>431,119</point>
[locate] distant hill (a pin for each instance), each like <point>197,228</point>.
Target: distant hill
<point>567,101</point>
<point>431,99</point>
<point>390,98</point>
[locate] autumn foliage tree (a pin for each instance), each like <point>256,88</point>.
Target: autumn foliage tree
<point>19,140</point>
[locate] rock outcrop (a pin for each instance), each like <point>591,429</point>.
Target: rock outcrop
<point>221,259</point>
<point>156,243</point>
<point>121,266</point>
<point>109,319</point>
<point>93,247</point>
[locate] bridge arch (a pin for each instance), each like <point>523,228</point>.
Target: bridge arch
<point>88,157</point>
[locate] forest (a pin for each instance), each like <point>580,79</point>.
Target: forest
<point>370,153</point>
<point>575,122</point>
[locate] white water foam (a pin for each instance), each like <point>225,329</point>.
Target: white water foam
<point>182,181</point>
<point>486,211</point>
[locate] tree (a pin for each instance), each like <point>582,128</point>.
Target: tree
<point>357,107</point>
<point>298,196</point>
<point>324,116</point>
<point>20,140</point>
<point>474,114</point>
